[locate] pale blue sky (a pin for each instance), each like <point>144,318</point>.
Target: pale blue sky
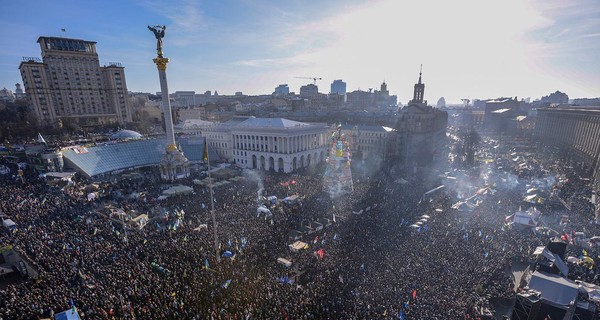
<point>468,48</point>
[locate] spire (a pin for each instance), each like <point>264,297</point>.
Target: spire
<point>419,89</point>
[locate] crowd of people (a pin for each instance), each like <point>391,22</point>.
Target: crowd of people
<point>371,265</point>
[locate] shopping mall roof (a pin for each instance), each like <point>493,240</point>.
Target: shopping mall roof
<point>125,134</point>
<point>104,158</point>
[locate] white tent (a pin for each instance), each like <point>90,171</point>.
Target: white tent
<point>297,246</point>
<point>180,189</point>
<point>264,210</point>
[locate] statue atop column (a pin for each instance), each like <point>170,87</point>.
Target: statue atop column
<point>159,33</point>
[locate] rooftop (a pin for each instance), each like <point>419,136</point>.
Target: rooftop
<point>104,158</point>
<point>271,123</point>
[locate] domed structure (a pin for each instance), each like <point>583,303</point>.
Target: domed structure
<point>125,134</point>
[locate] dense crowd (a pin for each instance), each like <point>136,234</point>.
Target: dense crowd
<point>374,265</point>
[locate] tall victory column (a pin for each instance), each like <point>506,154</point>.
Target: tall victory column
<point>174,165</point>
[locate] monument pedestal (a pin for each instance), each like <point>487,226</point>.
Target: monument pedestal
<point>174,165</point>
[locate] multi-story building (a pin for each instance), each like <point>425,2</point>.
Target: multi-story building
<point>6,95</point>
<point>420,138</point>
<point>69,83</point>
<point>282,90</point>
<point>338,87</point>
<point>494,109</point>
<point>275,144</point>
<point>576,131</point>
<point>309,91</point>
<point>360,100</point>
<point>368,142</point>
<point>184,99</point>
<point>19,94</point>
<point>191,113</point>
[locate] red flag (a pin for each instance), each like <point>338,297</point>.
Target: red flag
<point>414,294</point>
<point>320,253</point>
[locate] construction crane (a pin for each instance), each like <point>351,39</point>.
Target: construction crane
<point>314,79</point>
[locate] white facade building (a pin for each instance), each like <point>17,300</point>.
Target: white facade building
<point>275,144</point>
<point>184,99</point>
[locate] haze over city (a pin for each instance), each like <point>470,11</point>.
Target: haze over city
<point>469,49</point>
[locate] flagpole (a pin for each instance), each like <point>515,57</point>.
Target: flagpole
<point>212,203</point>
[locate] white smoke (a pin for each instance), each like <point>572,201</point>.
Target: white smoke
<point>255,176</point>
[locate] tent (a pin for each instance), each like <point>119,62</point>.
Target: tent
<point>297,246</point>
<point>291,199</point>
<point>140,221</point>
<point>264,211</point>
<point>572,259</point>
<point>285,262</point>
<point>527,218</point>
<point>70,314</point>
<point>554,288</point>
<point>8,223</point>
<point>228,254</point>
<point>180,189</point>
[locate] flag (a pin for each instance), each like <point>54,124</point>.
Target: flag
<point>205,154</point>
<point>401,315</point>
<point>414,294</point>
<point>41,139</point>
<point>362,268</point>
<point>63,30</point>
<point>206,265</point>
<point>226,284</point>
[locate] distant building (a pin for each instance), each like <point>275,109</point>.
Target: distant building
<point>19,94</point>
<point>496,111</point>
<point>282,90</point>
<point>6,95</point>
<point>555,98</point>
<point>420,140</point>
<point>338,87</point>
<point>191,113</point>
<point>577,102</point>
<point>71,84</point>
<point>441,103</point>
<point>360,100</point>
<point>183,99</point>
<point>309,91</point>
<point>368,142</point>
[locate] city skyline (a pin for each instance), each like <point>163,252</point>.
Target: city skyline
<point>468,49</point>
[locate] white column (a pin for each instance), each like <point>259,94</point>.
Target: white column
<point>166,106</point>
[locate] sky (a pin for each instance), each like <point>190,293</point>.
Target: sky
<point>474,49</point>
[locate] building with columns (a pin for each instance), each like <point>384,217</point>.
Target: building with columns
<point>576,132</point>
<point>273,144</point>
